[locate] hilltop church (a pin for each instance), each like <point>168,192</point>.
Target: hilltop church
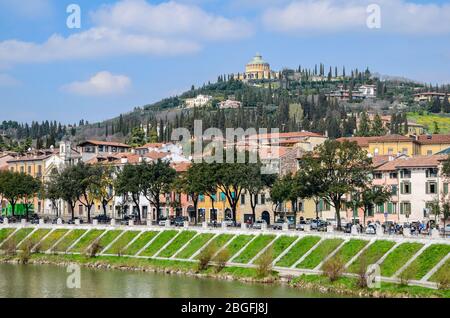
<point>257,69</point>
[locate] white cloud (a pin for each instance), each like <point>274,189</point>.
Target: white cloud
<point>397,17</point>
<point>130,27</point>
<point>102,83</point>
<point>170,18</point>
<point>8,81</point>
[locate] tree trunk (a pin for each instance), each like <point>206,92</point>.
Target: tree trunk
<point>338,216</point>
<point>253,206</point>
<point>104,204</point>
<point>195,209</point>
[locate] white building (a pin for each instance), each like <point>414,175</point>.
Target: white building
<point>368,91</point>
<point>199,101</point>
<point>229,104</point>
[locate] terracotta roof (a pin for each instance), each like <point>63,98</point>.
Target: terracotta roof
<point>434,139</point>
<point>156,155</point>
<point>151,145</point>
<point>181,167</point>
<point>104,143</point>
<point>299,134</point>
<point>29,158</point>
<point>364,141</point>
<point>412,162</point>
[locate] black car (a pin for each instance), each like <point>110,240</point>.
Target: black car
<point>102,219</point>
<point>179,221</point>
<point>278,225</point>
<point>1,219</point>
<point>72,221</point>
<point>348,228</point>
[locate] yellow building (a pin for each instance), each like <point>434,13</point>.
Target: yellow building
<point>221,210</point>
<point>432,144</point>
<point>256,69</point>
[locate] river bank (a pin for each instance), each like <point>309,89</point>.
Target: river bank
<point>344,286</point>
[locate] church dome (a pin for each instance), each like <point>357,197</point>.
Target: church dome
<point>257,60</point>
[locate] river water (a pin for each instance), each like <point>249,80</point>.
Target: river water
<point>39,281</point>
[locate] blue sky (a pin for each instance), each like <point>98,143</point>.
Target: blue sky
<point>133,52</point>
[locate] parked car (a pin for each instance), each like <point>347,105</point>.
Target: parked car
<point>348,228</point>
<point>72,221</point>
<point>301,225</point>
<point>446,229</point>
<point>163,221</point>
<point>258,225</point>
<point>319,225</point>
<point>278,225</point>
<point>102,219</point>
<point>179,221</point>
<point>229,222</point>
<point>34,219</point>
<point>371,229</point>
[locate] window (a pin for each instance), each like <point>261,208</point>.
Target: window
<point>394,190</point>
<point>431,173</point>
<point>376,151</point>
<point>256,199</point>
<point>380,208</point>
<point>391,208</point>
<point>100,148</point>
<point>429,152</point>
<point>263,198</point>
<point>39,173</point>
<point>405,151</point>
<point>243,199</point>
<point>405,208</point>
<point>393,175</point>
<point>405,188</point>
<point>431,187</point>
<point>22,169</point>
<point>445,188</point>
<point>29,169</point>
<point>144,212</point>
<point>377,175</point>
<point>390,151</point>
<point>370,210</point>
<point>201,198</point>
<point>405,174</point>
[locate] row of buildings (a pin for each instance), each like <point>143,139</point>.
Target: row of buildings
<point>409,166</point>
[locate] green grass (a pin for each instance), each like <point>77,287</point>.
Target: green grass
<point>35,237</point>
<point>20,235</point>
<point>372,254</point>
<point>319,254</point>
<point>350,286</point>
<point>252,250</point>
<point>429,258</point>
<point>395,260</point>
<point>237,243</point>
<point>137,245</point>
<point>298,250</point>
<point>350,249</point>
<point>86,241</point>
<point>69,240</point>
<point>282,243</point>
<point>4,233</point>
<point>173,247</point>
<point>444,269</point>
<point>50,240</point>
<point>120,244</point>
<point>428,119</point>
<point>194,245</point>
<point>109,236</point>
<point>159,242</point>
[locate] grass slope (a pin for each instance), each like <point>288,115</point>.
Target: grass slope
<point>350,249</point>
<point>173,247</point>
<point>69,240</point>
<point>35,237</point>
<point>142,240</point>
<point>372,254</point>
<point>120,244</point>
<point>297,251</point>
<point>86,240</point>
<point>238,243</point>
<point>4,233</point>
<point>159,242</point>
<point>444,269</point>
<point>109,237</point>
<point>252,250</point>
<point>428,119</point>
<point>50,240</point>
<point>20,235</point>
<point>319,254</point>
<point>429,258</point>
<point>198,242</point>
<point>398,258</point>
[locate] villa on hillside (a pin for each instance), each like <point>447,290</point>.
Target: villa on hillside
<point>199,101</point>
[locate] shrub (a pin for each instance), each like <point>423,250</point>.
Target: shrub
<point>443,280</point>
<point>9,247</point>
<point>361,272</point>
<point>264,263</point>
<point>206,256</point>
<point>408,274</point>
<point>26,251</point>
<point>94,249</point>
<point>333,268</point>
<point>221,259</point>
